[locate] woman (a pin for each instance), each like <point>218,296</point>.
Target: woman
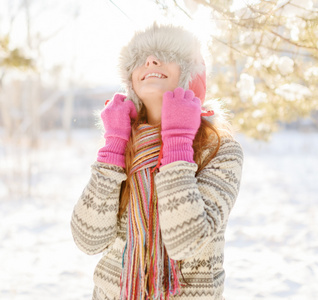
<point>162,188</point>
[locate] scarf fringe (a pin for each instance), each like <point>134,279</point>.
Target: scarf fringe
<point>148,272</point>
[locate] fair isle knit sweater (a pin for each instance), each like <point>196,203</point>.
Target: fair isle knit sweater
<point>193,213</point>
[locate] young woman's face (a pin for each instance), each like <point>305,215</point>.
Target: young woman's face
<point>154,78</point>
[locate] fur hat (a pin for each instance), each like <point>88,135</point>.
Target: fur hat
<point>169,44</point>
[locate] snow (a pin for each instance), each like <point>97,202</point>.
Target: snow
<point>311,72</point>
<point>259,97</point>
<point>271,240</point>
<point>246,86</point>
<point>285,65</point>
<point>272,237</point>
<point>293,91</point>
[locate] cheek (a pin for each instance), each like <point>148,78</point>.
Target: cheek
<point>134,82</point>
<point>176,72</point>
<point>175,78</point>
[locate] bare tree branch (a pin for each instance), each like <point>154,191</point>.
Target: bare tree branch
<point>112,2</point>
<point>291,42</point>
<point>175,2</point>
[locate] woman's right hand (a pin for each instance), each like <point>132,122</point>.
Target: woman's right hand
<point>116,117</point>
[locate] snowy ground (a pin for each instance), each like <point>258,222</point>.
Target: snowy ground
<point>272,237</point>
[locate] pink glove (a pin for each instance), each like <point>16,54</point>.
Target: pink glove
<point>116,117</point>
<point>180,121</point>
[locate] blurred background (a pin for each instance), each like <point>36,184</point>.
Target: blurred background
<point>58,65</point>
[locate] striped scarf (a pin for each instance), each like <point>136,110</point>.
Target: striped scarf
<point>148,272</point>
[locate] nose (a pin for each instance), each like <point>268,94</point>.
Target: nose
<point>152,60</point>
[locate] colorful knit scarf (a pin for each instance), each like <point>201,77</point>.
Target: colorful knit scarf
<point>148,272</point>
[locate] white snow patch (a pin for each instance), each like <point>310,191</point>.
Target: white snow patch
<point>246,86</point>
<point>293,91</point>
<point>285,65</point>
<point>271,240</point>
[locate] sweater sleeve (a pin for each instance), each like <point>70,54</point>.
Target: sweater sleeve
<point>94,218</point>
<point>192,210</point>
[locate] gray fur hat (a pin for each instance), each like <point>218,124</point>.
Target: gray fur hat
<point>168,43</point>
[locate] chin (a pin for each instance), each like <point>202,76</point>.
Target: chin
<point>152,93</point>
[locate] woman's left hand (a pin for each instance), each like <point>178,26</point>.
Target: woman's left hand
<point>180,121</point>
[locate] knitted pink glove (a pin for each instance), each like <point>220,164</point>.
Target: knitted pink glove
<point>116,117</point>
<point>180,121</point>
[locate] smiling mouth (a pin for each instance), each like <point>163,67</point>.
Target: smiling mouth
<point>156,75</point>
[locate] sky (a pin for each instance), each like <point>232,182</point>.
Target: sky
<point>91,33</point>
<point>89,44</point>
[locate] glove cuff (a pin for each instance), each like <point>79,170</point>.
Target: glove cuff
<point>177,148</point>
<point>113,152</point>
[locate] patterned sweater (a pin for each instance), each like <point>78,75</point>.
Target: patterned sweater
<point>193,212</point>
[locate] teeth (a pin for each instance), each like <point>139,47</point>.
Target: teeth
<point>154,75</point>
